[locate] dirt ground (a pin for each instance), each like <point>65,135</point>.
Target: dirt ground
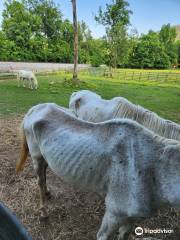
<point>73,215</point>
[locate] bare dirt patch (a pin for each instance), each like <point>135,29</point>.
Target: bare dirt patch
<point>73,215</point>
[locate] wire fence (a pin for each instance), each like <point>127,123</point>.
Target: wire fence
<point>129,75</point>
<point>141,75</point>
<point>151,76</point>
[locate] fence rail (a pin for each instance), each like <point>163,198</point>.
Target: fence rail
<point>122,75</point>
<point>152,76</point>
<point>135,75</point>
<point>5,75</point>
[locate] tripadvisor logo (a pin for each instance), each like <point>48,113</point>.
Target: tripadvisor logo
<point>139,231</point>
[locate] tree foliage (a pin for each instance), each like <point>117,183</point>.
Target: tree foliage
<point>35,30</point>
<point>118,45</point>
<point>149,53</point>
<point>116,19</point>
<point>167,36</point>
<point>177,44</point>
<point>50,17</point>
<point>155,50</point>
<point>115,13</point>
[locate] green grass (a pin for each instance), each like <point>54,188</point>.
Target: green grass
<point>162,97</point>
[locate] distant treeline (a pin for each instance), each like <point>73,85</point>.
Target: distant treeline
<point>35,30</point>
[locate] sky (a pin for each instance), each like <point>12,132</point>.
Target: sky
<point>147,14</point>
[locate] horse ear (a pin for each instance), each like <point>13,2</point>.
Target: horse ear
<point>77,103</point>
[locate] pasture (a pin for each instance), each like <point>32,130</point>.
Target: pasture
<point>75,215</point>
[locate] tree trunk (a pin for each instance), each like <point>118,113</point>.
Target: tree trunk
<point>75,25</point>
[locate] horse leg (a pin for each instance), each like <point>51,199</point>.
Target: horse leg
<point>124,231</point>
<point>23,82</point>
<point>109,225</point>
<point>47,192</point>
<point>41,173</point>
<point>30,83</point>
<point>18,81</point>
<point>111,222</point>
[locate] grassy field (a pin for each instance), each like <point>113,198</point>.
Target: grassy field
<point>161,96</point>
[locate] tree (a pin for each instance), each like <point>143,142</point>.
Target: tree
<point>177,44</point>
<point>118,45</point>
<point>115,13</point>
<point>98,52</point>
<point>51,29</point>
<point>84,40</point>
<point>8,49</point>
<point>149,53</point>
<point>19,26</point>
<point>133,39</point>
<point>50,16</point>
<point>75,25</point>
<point>167,36</point>
<point>116,19</point>
<point>36,31</point>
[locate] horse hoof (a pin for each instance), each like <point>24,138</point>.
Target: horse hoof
<point>43,218</point>
<point>43,215</point>
<point>49,195</point>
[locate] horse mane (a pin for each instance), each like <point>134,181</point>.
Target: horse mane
<point>160,126</point>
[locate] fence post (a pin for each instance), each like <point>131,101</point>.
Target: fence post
<point>157,76</point>
<point>167,77</point>
<point>125,76</point>
<point>176,76</point>
<point>133,75</point>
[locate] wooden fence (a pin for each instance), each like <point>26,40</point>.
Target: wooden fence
<point>135,75</point>
<point>4,76</point>
<point>147,76</point>
<point>119,74</point>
